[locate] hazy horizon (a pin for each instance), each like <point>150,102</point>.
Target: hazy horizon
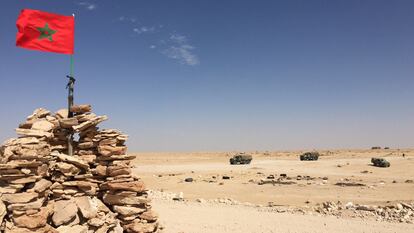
<point>225,76</point>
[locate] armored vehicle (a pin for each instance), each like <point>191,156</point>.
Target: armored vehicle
<point>380,162</point>
<point>241,159</point>
<point>309,156</point>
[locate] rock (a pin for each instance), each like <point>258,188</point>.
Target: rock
<point>138,227</point>
<point>128,210</point>
<point>43,125</point>
<point>84,185</point>
<point>82,108</point>
<point>62,113</point>
<point>349,205</point>
<point>87,207</point>
<point>407,206</point>
<point>73,160</point>
<point>67,169</point>
<point>179,197</point>
<point>64,212</point>
<point>100,170</point>
<point>19,197</point>
<point>118,170</point>
<point>41,185</point>
<point>38,113</point>
<point>136,186</point>
<point>45,229</point>
<point>188,179</point>
<point>123,200</point>
<point>3,211</point>
<point>226,177</point>
<point>36,204</point>
<point>72,229</point>
<point>117,229</point>
<point>366,208</point>
<point>36,220</point>
<point>68,123</point>
<point>149,216</point>
<point>94,121</point>
<point>25,180</point>
<point>111,150</point>
<point>96,222</point>
<point>33,133</point>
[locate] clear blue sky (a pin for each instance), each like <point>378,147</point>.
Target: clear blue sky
<point>225,75</point>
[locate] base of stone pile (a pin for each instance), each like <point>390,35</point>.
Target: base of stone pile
<point>42,189</point>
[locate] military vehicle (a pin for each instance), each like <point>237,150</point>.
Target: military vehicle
<point>241,159</point>
<point>309,156</point>
<point>380,162</point>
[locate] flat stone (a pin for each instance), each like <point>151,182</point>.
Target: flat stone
<point>20,164</point>
<point>107,150</point>
<point>72,229</point>
<point>21,141</point>
<point>112,199</point>
<point>86,117</point>
<point>67,169</point>
<point>68,123</point>
<point>36,204</point>
<point>43,125</point>
<point>87,206</point>
<point>3,211</point>
<point>136,186</point>
<point>36,220</point>
<point>71,159</point>
<point>128,210</point>
<point>42,185</point>
<point>138,227</point>
<point>101,170</point>
<point>19,197</point>
<point>86,145</point>
<point>38,150</point>
<point>25,180</point>
<point>39,113</point>
<point>45,229</point>
<point>81,108</point>
<point>64,212</point>
<point>88,158</point>
<point>116,171</point>
<point>62,113</point>
<point>80,183</point>
<point>116,157</point>
<point>149,215</point>
<point>33,133</point>
<point>94,121</point>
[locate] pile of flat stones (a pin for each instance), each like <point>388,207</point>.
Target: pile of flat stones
<point>43,189</point>
<point>398,212</point>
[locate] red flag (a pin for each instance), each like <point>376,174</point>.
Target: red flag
<point>45,31</point>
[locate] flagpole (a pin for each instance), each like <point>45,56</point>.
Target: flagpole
<point>70,87</point>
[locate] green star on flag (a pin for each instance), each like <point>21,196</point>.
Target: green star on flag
<point>46,32</point>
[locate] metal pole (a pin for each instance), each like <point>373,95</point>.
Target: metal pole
<point>70,87</point>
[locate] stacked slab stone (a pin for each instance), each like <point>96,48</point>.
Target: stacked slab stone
<point>42,189</point>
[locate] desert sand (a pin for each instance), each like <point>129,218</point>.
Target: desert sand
<point>240,204</point>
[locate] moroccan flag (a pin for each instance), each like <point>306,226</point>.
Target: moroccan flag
<point>45,31</point>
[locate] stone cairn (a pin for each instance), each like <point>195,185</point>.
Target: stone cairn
<point>42,189</point>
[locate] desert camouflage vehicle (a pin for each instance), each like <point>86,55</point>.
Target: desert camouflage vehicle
<point>309,156</point>
<point>380,162</point>
<point>241,159</point>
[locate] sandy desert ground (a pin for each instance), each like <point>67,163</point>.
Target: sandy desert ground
<point>310,196</point>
